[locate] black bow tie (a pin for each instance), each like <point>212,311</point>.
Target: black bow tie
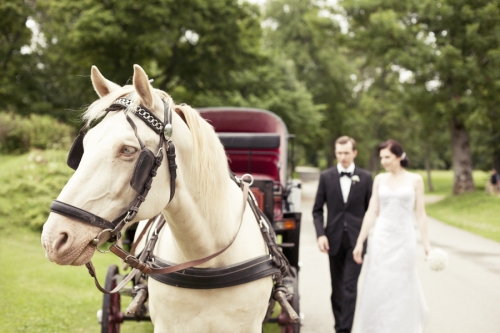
<point>348,174</point>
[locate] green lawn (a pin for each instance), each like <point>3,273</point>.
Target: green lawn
<point>40,296</point>
<point>442,180</point>
<point>475,212</point>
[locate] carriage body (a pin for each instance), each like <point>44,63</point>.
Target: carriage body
<point>257,143</point>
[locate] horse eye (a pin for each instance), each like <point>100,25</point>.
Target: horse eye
<point>127,150</point>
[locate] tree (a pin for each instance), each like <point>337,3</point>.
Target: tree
<point>187,47</point>
<point>18,66</point>
<point>307,34</point>
<point>451,48</point>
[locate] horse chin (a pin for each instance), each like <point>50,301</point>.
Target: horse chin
<point>84,256</point>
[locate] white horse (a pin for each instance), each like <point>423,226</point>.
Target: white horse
<point>202,217</point>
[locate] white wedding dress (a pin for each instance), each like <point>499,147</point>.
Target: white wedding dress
<point>391,299</point>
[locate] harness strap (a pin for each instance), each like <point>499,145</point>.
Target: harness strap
<point>147,269</point>
<point>140,265</point>
<point>220,277</point>
<point>141,235</point>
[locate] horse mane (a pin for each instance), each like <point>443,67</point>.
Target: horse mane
<point>211,171</point>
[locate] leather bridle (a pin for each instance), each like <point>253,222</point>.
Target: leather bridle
<point>145,169</point>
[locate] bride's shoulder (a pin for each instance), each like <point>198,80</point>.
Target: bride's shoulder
<point>415,178</point>
<point>380,177</point>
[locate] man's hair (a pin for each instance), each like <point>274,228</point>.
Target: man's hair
<point>346,139</point>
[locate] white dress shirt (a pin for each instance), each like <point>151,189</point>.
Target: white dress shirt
<point>345,182</point>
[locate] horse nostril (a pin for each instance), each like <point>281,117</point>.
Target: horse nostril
<point>60,242</point>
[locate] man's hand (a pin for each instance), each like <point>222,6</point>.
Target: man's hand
<point>323,244</point>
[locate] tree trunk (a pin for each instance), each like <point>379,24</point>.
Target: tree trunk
<point>428,167</point>
<point>374,162</point>
<point>462,158</point>
<point>331,152</point>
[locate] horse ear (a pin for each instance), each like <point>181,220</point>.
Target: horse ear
<point>102,86</point>
<point>142,86</point>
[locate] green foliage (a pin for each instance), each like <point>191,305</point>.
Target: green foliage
<point>29,184</point>
<point>182,45</point>
<point>305,33</point>
<point>19,134</point>
<point>274,87</point>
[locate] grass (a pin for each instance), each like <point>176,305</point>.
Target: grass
<point>40,296</point>
<point>476,212</point>
<point>442,180</point>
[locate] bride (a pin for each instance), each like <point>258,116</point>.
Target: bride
<point>391,300</point>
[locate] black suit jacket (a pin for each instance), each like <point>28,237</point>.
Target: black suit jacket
<point>351,212</point>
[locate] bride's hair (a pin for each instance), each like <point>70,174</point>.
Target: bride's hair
<point>396,148</point>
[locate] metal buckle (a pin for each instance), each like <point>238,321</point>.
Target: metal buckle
<point>249,176</point>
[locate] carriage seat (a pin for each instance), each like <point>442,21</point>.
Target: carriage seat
<point>249,140</point>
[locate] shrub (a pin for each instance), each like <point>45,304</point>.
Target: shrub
<point>29,184</point>
<point>19,134</point>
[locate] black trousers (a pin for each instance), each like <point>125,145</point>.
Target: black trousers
<point>344,272</point>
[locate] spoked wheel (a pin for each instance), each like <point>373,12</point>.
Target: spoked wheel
<point>112,316</point>
<point>284,320</point>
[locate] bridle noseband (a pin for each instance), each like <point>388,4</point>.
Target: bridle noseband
<point>144,171</point>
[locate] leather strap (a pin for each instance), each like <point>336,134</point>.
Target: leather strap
<point>147,269</point>
<point>140,264</point>
<point>221,277</point>
<point>79,214</point>
<point>141,235</point>
<point>122,284</point>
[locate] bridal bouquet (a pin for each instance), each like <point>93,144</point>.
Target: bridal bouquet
<point>437,259</point>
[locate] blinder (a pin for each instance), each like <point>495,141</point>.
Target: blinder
<point>76,152</point>
<point>145,168</point>
<point>142,169</point>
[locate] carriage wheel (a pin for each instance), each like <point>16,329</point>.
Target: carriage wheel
<point>112,317</point>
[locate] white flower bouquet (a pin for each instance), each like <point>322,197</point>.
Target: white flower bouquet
<point>437,259</point>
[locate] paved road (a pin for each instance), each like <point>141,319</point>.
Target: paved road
<point>465,298</point>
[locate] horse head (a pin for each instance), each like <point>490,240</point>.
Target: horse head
<point>109,178</point>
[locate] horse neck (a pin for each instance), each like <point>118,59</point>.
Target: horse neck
<point>202,223</point>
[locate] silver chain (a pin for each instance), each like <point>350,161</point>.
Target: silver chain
<point>145,114</point>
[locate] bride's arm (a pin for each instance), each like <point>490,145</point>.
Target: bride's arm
<point>368,221</point>
<point>420,213</point>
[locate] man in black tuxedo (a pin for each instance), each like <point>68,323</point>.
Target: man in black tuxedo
<point>346,190</point>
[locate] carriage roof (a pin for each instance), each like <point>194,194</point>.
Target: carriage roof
<point>255,140</point>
